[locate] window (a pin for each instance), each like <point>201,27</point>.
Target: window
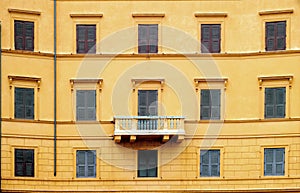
<point>147,163</point>
<point>210,38</point>
<point>24,162</point>
<point>275,102</point>
<point>274,161</point>
<point>86,38</point>
<point>24,103</point>
<point>148,38</point>
<point>85,163</point>
<point>24,35</point>
<point>209,163</point>
<point>275,35</point>
<point>210,104</point>
<point>85,105</point>
<point>147,107</point>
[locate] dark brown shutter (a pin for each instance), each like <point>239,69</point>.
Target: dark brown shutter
<point>270,36</point>
<point>29,36</point>
<point>19,37</point>
<point>153,38</point>
<point>205,38</point>
<point>281,35</point>
<point>86,38</point>
<point>216,38</point>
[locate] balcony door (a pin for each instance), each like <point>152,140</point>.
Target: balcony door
<point>147,106</point>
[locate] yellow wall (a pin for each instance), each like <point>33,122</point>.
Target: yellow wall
<point>241,135</point>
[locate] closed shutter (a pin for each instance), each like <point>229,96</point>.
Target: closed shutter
<point>216,38</point>
<point>142,38</point>
<point>153,38</point>
<point>86,105</point>
<point>80,35</point>
<point>24,103</point>
<point>215,162</point>
<point>29,103</point>
<point>19,37</point>
<point>215,96</point>
<point>279,161</point>
<point>29,36</point>
<point>269,102</point>
<point>268,162</point>
<point>152,163</point>
<point>270,36</point>
<point>204,163</point>
<point>19,103</point>
<point>147,163</point>
<point>80,163</point>
<point>281,35</point>
<point>147,103</point>
<point>205,105</point>
<point>91,39</point>
<point>91,164</point>
<point>205,38</point>
<point>24,162</point>
<point>280,102</point>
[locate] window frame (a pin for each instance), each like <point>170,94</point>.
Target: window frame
<point>274,163</point>
<point>276,37</point>
<point>275,105</point>
<point>210,39</point>
<point>147,39</point>
<point>210,106</point>
<point>138,164</point>
<point>24,162</point>
<point>86,108</point>
<point>286,161</point>
<point>24,35</point>
<point>86,40</point>
<point>24,93</point>
<point>86,165</point>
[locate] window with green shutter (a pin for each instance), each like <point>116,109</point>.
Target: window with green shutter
<point>209,163</point>
<point>274,161</point>
<point>24,162</point>
<point>275,35</point>
<point>85,105</point>
<point>86,38</point>
<point>24,103</point>
<point>275,102</point>
<point>210,104</point>
<point>148,38</point>
<point>147,163</point>
<point>210,38</point>
<point>24,35</point>
<point>85,163</point>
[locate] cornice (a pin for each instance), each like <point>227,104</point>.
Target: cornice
<point>11,10</point>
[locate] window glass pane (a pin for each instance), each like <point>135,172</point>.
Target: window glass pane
<point>90,157</point>
<point>81,171</point>
<point>279,155</point>
<point>280,96</point>
<point>279,169</point>
<point>281,28</point>
<point>270,29</point>
<point>205,97</point>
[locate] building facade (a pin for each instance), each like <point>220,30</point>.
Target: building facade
<point>150,96</point>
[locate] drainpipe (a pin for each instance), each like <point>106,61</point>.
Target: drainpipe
<point>0,108</point>
<point>55,102</point>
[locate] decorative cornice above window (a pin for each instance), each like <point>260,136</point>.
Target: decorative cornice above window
<point>210,14</point>
<point>136,81</point>
<point>271,12</point>
<point>12,78</point>
<point>98,81</point>
<point>86,15</point>
<point>10,10</point>
<point>288,78</point>
<point>211,80</point>
<point>148,14</point>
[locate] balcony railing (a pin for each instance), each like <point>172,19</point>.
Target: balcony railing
<point>149,125</point>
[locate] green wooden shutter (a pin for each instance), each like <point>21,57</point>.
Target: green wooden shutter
<point>215,96</point>
<point>80,163</point>
<point>205,105</point>
<point>281,35</point>
<point>270,36</point>
<point>153,38</point>
<point>204,163</point>
<point>19,103</point>
<point>91,39</point>
<point>90,101</point>
<point>269,102</point>
<point>216,38</point>
<point>80,105</point>
<point>142,163</point>
<point>29,103</point>
<point>142,38</point>
<point>29,36</point>
<point>280,102</point>
<point>279,161</point>
<point>91,163</point>
<point>205,38</point>
<point>19,37</point>
<point>214,162</point>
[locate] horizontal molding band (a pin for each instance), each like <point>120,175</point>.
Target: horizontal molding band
<point>158,55</point>
<point>11,10</point>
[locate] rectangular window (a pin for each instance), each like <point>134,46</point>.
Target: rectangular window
<point>148,38</point>
<point>210,38</point>
<point>210,163</point>
<point>275,35</point>
<point>24,103</point>
<point>24,162</point>
<point>210,104</point>
<point>85,105</point>
<point>24,35</point>
<point>147,106</point>
<point>274,160</point>
<point>86,38</point>
<point>275,102</point>
<point>147,163</point>
<point>85,163</point>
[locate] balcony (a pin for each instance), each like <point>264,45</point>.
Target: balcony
<point>151,126</point>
